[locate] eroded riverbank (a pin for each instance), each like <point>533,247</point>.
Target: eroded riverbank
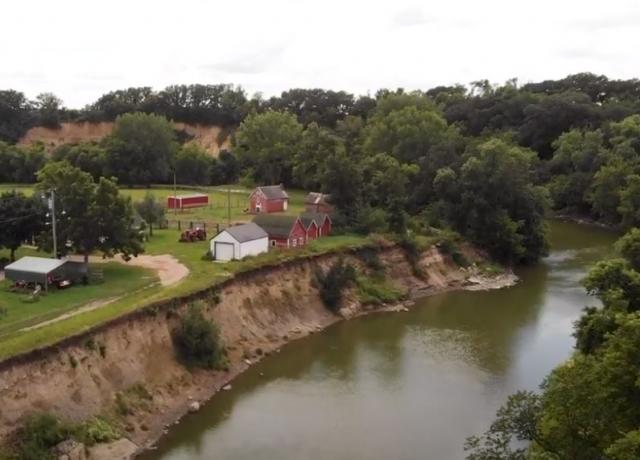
<point>257,314</point>
<point>409,386</point>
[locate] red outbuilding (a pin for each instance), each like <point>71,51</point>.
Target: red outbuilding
<point>318,202</point>
<point>270,198</point>
<point>317,224</point>
<point>195,200</point>
<point>284,231</point>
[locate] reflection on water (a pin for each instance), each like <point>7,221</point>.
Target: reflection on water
<point>401,386</point>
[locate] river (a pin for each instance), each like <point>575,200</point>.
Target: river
<point>401,385</point>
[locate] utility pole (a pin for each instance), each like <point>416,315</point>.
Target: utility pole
<point>175,193</point>
<point>52,208</point>
<point>229,206</point>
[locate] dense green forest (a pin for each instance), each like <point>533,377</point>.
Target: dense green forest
<point>485,160</point>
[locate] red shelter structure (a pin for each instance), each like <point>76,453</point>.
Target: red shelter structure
<point>195,200</point>
<point>266,199</point>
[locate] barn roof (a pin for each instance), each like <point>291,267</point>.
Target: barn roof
<point>276,225</point>
<point>246,232</point>
<point>38,265</point>
<point>190,195</point>
<point>317,217</point>
<point>274,192</point>
<point>316,198</point>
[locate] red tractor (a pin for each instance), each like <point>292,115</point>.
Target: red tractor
<point>193,234</point>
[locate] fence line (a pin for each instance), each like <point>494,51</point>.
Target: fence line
<point>209,226</point>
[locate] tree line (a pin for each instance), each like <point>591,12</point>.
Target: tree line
<point>487,161</point>
<point>222,104</point>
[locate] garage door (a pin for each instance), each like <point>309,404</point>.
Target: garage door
<point>223,251</point>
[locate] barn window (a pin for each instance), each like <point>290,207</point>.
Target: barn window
<point>273,243</point>
<point>295,242</point>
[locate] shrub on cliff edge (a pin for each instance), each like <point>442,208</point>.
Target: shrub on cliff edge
<point>39,434</point>
<point>332,283</point>
<point>197,341</point>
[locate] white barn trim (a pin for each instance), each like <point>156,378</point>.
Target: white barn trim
<point>238,242</point>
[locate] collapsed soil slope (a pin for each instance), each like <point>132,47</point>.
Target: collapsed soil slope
<point>257,312</point>
<point>73,133</point>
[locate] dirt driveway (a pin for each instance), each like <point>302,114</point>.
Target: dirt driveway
<point>168,268</point>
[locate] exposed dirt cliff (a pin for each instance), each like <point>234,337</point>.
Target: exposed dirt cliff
<point>256,312</point>
<point>207,137</point>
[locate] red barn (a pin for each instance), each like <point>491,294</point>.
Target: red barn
<point>195,200</point>
<point>317,224</point>
<point>270,198</point>
<point>284,231</point>
<point>318,202</point>
<point>311,228</point>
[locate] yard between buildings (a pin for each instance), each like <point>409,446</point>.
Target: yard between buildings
<point>127,288</point>
<point>19,312</point>
<point>215,213</point>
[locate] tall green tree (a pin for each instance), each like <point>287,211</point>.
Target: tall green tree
<point>90,216</point>
<point>309,161</point>
<point>192,165</point>
<point>21,219</point>
<point>266,144</point>
<point>407,133</point>
<point>151,210</point>
<point>87,156</point>
<point>15,115</point>
<point>493,201</point>
<point>49,107</point>
<point>140,149</point>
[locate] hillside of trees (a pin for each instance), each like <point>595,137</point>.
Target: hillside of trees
<point>486,160</point>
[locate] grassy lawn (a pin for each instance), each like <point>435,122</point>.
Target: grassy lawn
<point>218,199</point>
<point>140,290</point>
<point>23,251</point>
<point>203,273</point>
<point>21,313</point>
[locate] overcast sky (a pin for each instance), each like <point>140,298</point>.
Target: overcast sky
<point>82,49</point>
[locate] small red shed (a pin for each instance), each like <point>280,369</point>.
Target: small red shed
<point>318,202</point>
<point>316,222</point>
<point>194,200</point>
<point>270,198</point>
<point>284,231</point>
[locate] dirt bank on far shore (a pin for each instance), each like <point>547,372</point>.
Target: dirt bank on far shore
<point>257,313</point>
<point>213,139</point>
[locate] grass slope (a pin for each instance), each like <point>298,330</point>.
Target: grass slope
<point>203,273</point>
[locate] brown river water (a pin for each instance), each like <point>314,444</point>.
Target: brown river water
<point>401,385</point>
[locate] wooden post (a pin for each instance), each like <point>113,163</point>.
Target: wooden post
<point>179,225</point>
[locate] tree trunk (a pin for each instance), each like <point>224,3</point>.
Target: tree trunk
<point>150,229</point>
<point>13,254</point>
<point>86,258</point>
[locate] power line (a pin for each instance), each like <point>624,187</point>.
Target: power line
<point>18,218</point>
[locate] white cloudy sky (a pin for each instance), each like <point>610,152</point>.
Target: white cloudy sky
<point>80,49</point>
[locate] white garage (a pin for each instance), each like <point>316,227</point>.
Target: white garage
<point>239,241</point>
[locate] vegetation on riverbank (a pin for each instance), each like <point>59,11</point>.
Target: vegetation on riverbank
<point>197,340</point>
<point>587,407</point>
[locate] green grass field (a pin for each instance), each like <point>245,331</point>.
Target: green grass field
<point>137,291</point>
<point>216,212</point>
<point>19,312</point>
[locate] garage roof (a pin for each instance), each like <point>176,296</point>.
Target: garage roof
<point>246,232</point>
<point>38,265</point>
